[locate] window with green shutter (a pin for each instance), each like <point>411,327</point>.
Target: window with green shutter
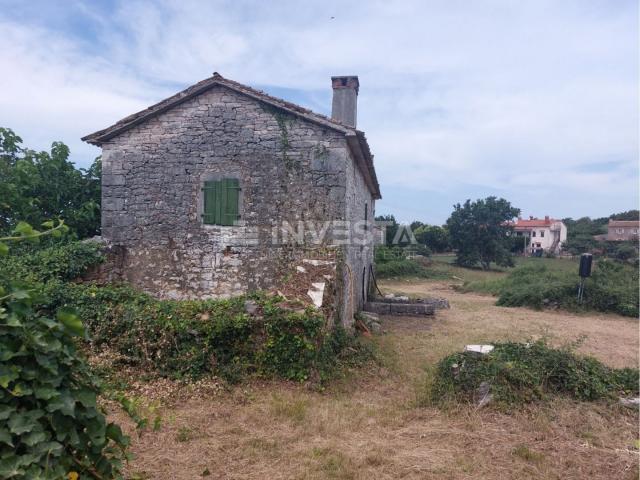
<point>221,201</point>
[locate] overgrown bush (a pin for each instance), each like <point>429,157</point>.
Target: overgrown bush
<point>50,424</point>
<point>611,288</point>
<point>401,268</point>
<point>397,262</point>
<point>190,338</point>
<point>524,372</point>
<point>65,262</point>
<point>384,254</point>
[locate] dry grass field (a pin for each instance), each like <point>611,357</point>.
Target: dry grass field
<point>373,425</point>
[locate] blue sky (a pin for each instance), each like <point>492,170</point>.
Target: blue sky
<point>534,100</point>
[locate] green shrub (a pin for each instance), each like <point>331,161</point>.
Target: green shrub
<point>385,254</point>
<point>524,372</point>
<point>66,261</point>
<point>611,288</point>
<point>191,338</point>
<point>50,424</point>
<point>401,268</point>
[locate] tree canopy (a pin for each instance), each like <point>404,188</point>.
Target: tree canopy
<point>39,186</point>
<point>480,231</point>
<point>434,237</point>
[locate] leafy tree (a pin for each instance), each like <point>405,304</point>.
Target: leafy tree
<point>434,237</point>
<point>415,225</point>
<point>37,186</point>
<point>584,227</point>
<point>577,244</point>
<point>626,251</point>
<point>391,227</point>
<point>481,232</point>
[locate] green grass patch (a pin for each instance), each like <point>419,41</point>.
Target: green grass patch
<point>540,282</point>
<point>525,372</point>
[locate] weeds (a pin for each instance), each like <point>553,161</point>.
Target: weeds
<point>292,409</point>
<point>518,373</point>
<point>611,288</point>
<point>527,454</point>
<point>184,434</point>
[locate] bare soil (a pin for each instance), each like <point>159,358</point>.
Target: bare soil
<point>370,425</point>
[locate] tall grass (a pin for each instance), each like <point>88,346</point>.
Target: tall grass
<point>613,287</point>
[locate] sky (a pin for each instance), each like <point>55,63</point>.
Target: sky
<point>535,101</point>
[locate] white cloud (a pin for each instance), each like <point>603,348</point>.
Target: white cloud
<point>499,94</point>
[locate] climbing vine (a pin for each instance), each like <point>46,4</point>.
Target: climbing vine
<point>285,122</point>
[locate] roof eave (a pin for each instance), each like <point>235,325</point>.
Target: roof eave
<point>360,149</point>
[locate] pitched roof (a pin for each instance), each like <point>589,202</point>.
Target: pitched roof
<point>355,138</point>
<point>624,223</point>
<point>534,222</point>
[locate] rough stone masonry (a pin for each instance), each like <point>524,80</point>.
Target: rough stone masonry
<point>306,187</point>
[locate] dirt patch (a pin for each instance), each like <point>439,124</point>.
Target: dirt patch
<point>369,426</point>
<point>611,338</point>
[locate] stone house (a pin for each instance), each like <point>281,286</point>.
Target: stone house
<point>623,230</point>
<point>222,189</point>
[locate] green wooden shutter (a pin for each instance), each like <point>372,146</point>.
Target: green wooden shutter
<point>209,214</point>
<point>230,210</point>
<point>221,202</point>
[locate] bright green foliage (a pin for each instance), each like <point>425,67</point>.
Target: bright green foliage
<point>50,424</point>
<point>520,373</point>
<point>613,287</point>
<point>402,268</point>
<point>38,186</point>
<point>434,237</point>
<point>64,262</point>
<point>197,337</point>
<point>393,262</point>
<point>480,232</point>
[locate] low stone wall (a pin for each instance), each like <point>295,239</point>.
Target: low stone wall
<point>437,302</point>
<point>406,309</point>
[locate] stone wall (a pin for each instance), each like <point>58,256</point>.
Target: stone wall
<point>358,256</point>
<point>289,170</point>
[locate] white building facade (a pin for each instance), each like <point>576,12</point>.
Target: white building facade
<point>541,235</point>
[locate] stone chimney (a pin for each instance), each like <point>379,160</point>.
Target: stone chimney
<point>546,218</point>
<point>344,108</point>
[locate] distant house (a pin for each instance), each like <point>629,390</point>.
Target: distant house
<point>623,230</point>
<point>541,235</point>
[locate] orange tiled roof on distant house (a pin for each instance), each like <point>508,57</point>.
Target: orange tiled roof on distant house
<point>541,234</point>
<point>534,222</point>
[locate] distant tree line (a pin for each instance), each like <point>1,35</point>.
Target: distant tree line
<point>582,236</point>
<point>480,234</point>
<point>435,238</point>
